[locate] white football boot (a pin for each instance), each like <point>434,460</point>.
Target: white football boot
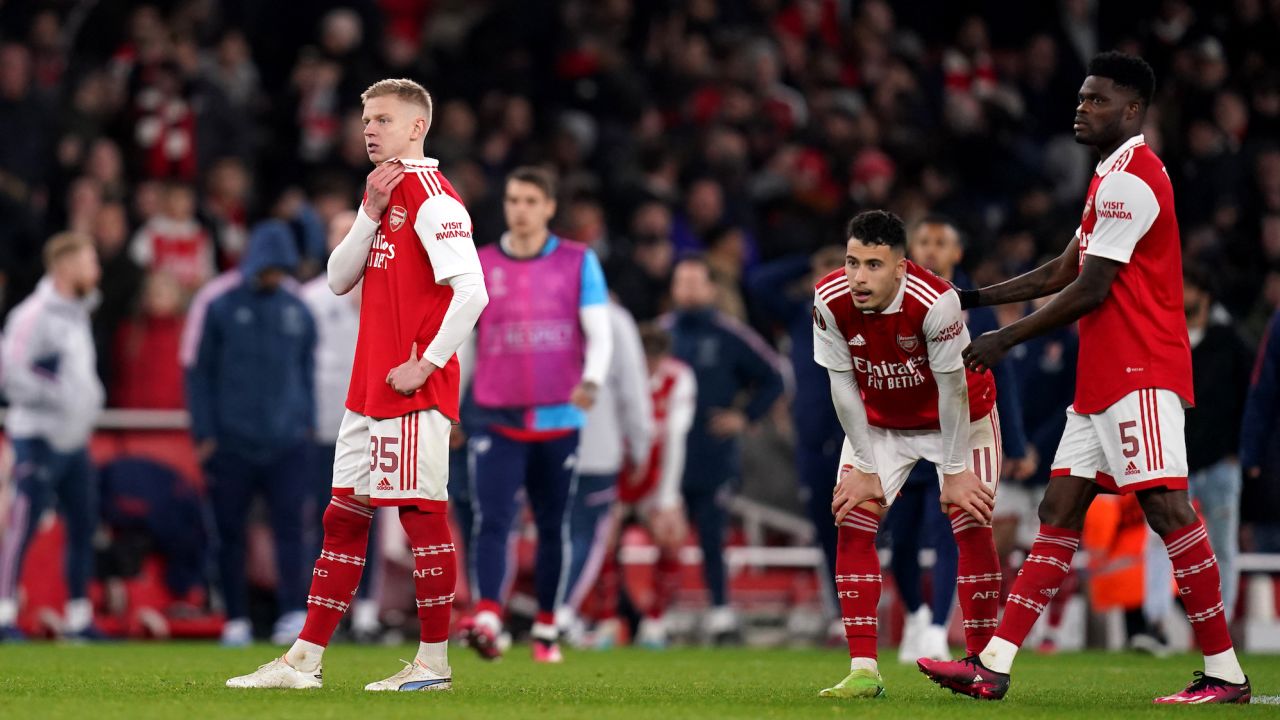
<point>280,675</point>
<point>414,676</point>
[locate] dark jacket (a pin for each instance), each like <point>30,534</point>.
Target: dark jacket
<point>1220,366</point>
<point>1260,432</point>
<point>251,387</point>
<point>728,359</point>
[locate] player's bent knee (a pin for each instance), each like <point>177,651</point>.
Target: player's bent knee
<point>1166,510</point>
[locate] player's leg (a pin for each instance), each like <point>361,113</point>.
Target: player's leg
<point>337,571</point>
<point>498,465</point>
<point>589,525</point>
<point>76,485</point>
<point>34,493</point>
<point>815,466</point>
<point>946,563</point>
<point>1070,492</point>
<point>551,482</point>
<point>904,527</point>
<point>705,508</point>
<point>230,493</point>
<point>858,567</point>
<point>425,518</point>
<point>978,567</point>
<point>283,481</point>
<point>1217,490</point>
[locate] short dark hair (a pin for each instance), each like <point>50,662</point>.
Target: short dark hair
<point>540,177</point>
<point>937,218</point>
<point>1126,71</point>
<point>878,227</point>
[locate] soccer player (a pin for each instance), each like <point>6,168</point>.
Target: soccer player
<point>422,292</point>
<point>542,352</point>
<point>890,334</point>
<point>1121,278</point>
<point>649,494</point>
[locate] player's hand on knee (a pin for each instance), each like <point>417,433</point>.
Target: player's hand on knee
<point>854,488</point>
<point>669,527</point>
<point>378,187</point>
<point>965,491</point>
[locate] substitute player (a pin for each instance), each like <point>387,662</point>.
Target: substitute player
<point>422,293</point>
<point>890,334</point>
<point>1121,277</point>
<point>542,352</point>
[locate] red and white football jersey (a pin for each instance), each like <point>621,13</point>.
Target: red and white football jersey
<point>894,353</point>
<point>1137,338</point>
<point>423,240</point>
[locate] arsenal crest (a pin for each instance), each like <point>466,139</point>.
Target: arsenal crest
<point>398,215</point>
<point>1088,207</point>
<point>908,343</point>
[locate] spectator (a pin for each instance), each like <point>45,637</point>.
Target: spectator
<point>174,241</point>
<point>49,376</point>
<point>250,393</point>
<point>146,349</point>
<point>729,362</point>
<point>121,284</point>
<point>1260,444</point>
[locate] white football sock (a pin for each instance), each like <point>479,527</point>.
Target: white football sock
<point>1224,666</point>
<point>8,612</point>
<point>434,655</point>
<point>304,656</point>
<point>999,655</point>
<point>861,663</point>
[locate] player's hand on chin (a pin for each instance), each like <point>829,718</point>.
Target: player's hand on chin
<point>986,351</point>
<point>965,491</point>
<point>378,187</point>
<point>854,488</point>
<point>411,374</point>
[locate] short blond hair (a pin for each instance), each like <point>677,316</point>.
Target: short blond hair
<point>64,244</point>
<point>403,88</point>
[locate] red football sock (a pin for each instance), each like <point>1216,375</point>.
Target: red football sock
<point>977,580</point>
<point>337,571</point>
<point>435,569</point>
<point>666,580</point>
<point>1195,568</point>
<point>1042,573</point>
<point>606,590</point>
<point>858,580</point>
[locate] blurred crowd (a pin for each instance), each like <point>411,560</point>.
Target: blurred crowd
<point>748,131</point>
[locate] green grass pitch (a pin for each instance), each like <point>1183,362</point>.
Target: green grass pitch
<point>183,680</point>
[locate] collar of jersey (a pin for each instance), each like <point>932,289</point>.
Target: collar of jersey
<point>551,244</point>
<point>423,163</point>
<point>1105,166</point>
<point>896,305</point>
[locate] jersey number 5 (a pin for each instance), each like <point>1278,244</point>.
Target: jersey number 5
<point>383,455</point>
<point>1130,442</point>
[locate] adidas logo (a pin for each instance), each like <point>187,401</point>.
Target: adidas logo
<point>1131,470</point>
<point>384,485</point>
<point>857,341</point>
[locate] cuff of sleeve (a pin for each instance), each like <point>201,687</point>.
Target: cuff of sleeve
<point>865,467</point>
<point>364,223</point>
<point>953,469</point>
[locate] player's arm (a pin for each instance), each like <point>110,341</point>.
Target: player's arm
<point>27,381</point>
<point>635,401</point>
<point>1115,236</point>
<point>831,351</point>
<point>680,410</point>
<point>945,337</point>
<point>456,264</point>
<point>593,315</point>
<point>346,263</point>
<point>1047,279</point>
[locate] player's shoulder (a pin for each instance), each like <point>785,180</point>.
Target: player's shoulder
<point>923,287</point>
<point>1139,162</point>
<point>832,288</point>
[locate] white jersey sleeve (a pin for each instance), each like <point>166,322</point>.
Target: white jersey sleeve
<point>1126,208</point>
<point>830,348</point>
<point>444,227</point>
<point>945,333</point>
<point>681,406</point>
